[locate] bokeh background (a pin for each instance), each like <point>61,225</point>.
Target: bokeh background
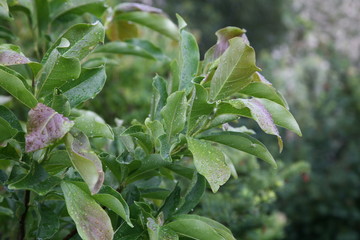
<point>310,51</point>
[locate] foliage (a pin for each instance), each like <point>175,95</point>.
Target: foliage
<point>104,182</point>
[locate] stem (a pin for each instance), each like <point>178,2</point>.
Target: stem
<point>21,235</point>
<point>71,234</point>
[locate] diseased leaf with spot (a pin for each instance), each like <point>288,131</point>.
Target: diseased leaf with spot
<point>260,114</point>
<point>45,127</point>
<point>85,161</point>
<point>91,220</point>
<point>209,162</point>
<point>11,55</point>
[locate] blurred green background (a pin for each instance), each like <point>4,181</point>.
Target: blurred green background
<point>310,51</point>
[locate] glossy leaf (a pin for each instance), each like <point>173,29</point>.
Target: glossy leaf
<point>60,103</point>
<point>78,7</point>
<point>58,161</point>
<point>12,84</point>
<point>242,142</point>
<point>85,161</point>
<point>93,125</point>
<point>194,228</point>
<point>6,130</point>
<point>263,90</point>
<point>171,203</point>
<point>144,139</point>
<point>235,68</point>
<point>45,127</point>
<point>189,60</point>
<point>200,108</point>
<point>193,197</point>
<point>48,224</point>
<point>91,220</point>
<point>37,180</point>
<point>260,114</point>
<point>174,113</point>
<point>159,97</point>
<point>4,10</point>
<point>87,86</point>
<point>154,21</point>
<point>209,162</point>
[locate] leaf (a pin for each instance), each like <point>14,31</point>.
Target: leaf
<point>58,161</point>
<point>194,228</point>
<point>60,8</point>
<point>174,113</point>
<point>93,125</point>
<point>136,47</point>
<point>85,161</point>
<point>14,85</point>
<point>281,116</point>
<point>157,232</point>
<point>45,127</point>
<point>6,211</point>
<point>121,30</point>
<point>218,227</point>
<point>171,203</point>
<point>200,108</point>
<point>260,114</point>
<point>154,21</point>
<point>189,60</point>
<point>37,180</point>
<point>60,103</point>
<point>11,55</point>
<point>87,86</point>
<point>242,142</point>
<point>159,97</point>
<point>48,224</point>
<point>144,139</point>
<point>56,71</point>
<point>193,197</point>
<point>209,162</point>
<point>91,220</point>
<point>263,90</point>
<point>4,10</point>
<point>6,130</point>
<point>235,68</point>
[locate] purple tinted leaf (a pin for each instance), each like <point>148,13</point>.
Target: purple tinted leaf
<point>45,126</point>
<point>85,161</point>
<point>9,57</point>
<point>224,35</point>
<point>260,114</point>
<point>91,220</point>
<point>129,7</point>
<point>260,78</point>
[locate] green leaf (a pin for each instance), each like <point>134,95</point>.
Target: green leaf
<point>45,127</point>
<point>14,85</point>
<point>281,116</point>
<point>200,108</point>
<point>155,128</point>
<point>189,60</point>
<point>80,40</point>
<point>154,21</point>
<point>174,113</point>
<point>37,180</point>
<point>91,220</point>
<point>60,103</point>
<point>263,90</point>
<point>4,10</point>
<point>242,142</point>
<point>6,211</point>
<point>194,228</point>
<point>120,30</point>
<point>60,8</point>
<point>87,86</point>
<point>56,71</point>
<point>235,68</point>
<point>85,161</point>
<point>209,162</point>
<point>218,227</point>
<point>93,125</point>
<point>144,139</point>
<point>159,97</point>
<point>157,232</point>
<point>171,203</point>
<point>148,164</point>
<point>57,162</point>
<point>260,114</point>
<point>135,47</point>
<point>48,224</point>
<point>6,130</point>
<point>193,197</point>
